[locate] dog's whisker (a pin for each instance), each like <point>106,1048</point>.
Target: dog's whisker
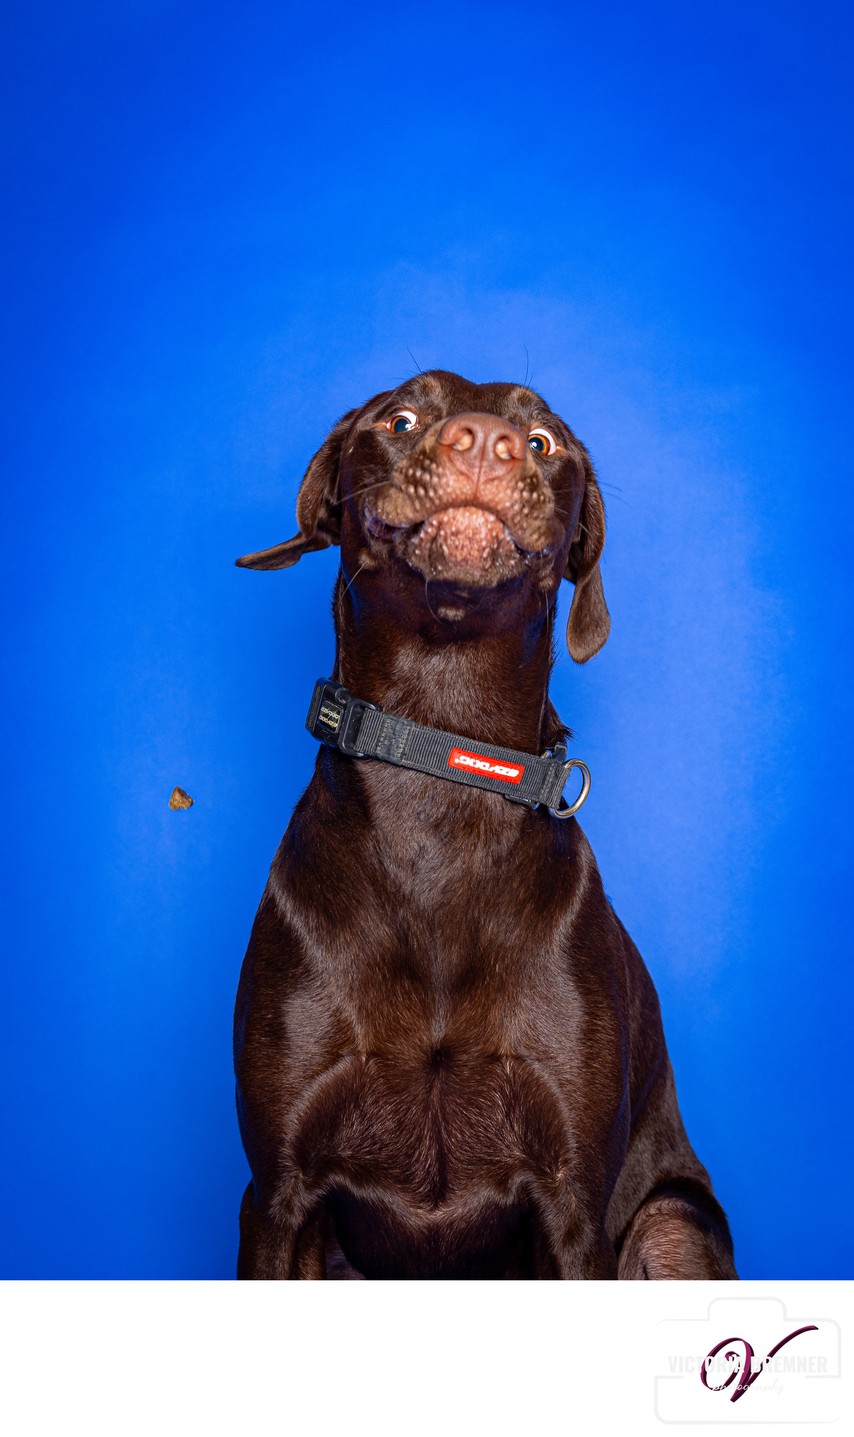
<point>354,578</point>
<point>427,600</point>
<point>613,491</point>
<point>379,484</point>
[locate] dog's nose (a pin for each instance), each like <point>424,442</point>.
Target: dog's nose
<point>483,443</point>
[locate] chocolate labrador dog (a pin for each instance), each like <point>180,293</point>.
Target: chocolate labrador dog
<point>449,1053</point>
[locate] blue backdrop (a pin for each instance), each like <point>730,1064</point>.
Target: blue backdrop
<point>230,224</point>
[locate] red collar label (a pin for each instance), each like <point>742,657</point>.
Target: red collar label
<point>489,767</point>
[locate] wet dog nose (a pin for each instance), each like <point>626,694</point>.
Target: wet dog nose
<point>482,443</point>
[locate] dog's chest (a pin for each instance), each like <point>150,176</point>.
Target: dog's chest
<point>460,1054</point>
<point>450,1074</point>
<point>458,1039</point>
<point>434,1120</point>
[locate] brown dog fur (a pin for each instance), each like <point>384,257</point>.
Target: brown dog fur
<point>449,1053</point>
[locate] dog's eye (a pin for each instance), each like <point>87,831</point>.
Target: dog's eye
<point>402,421</point>
<point>542,442</point>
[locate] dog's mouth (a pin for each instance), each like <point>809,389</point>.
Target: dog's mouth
<point>462,543</point>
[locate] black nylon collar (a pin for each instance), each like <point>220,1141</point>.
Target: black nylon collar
<point>363,730</point>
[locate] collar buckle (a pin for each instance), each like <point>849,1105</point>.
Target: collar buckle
<point>334,716</point>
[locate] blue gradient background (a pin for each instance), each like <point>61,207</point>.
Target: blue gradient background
<point>230,224</point>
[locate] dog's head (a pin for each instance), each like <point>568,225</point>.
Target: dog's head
<point>462,489</point>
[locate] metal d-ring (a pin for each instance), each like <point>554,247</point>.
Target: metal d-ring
<point>585,789</point>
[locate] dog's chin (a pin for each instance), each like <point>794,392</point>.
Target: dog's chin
<point>466,548</point>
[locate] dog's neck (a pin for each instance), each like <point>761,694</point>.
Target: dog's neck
<point>489,686</point>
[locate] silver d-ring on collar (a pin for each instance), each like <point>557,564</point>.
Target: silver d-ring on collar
<point>585,789</point>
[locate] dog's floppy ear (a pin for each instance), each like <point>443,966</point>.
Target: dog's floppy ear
<point>318,507</point>
<point>589,622</point>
